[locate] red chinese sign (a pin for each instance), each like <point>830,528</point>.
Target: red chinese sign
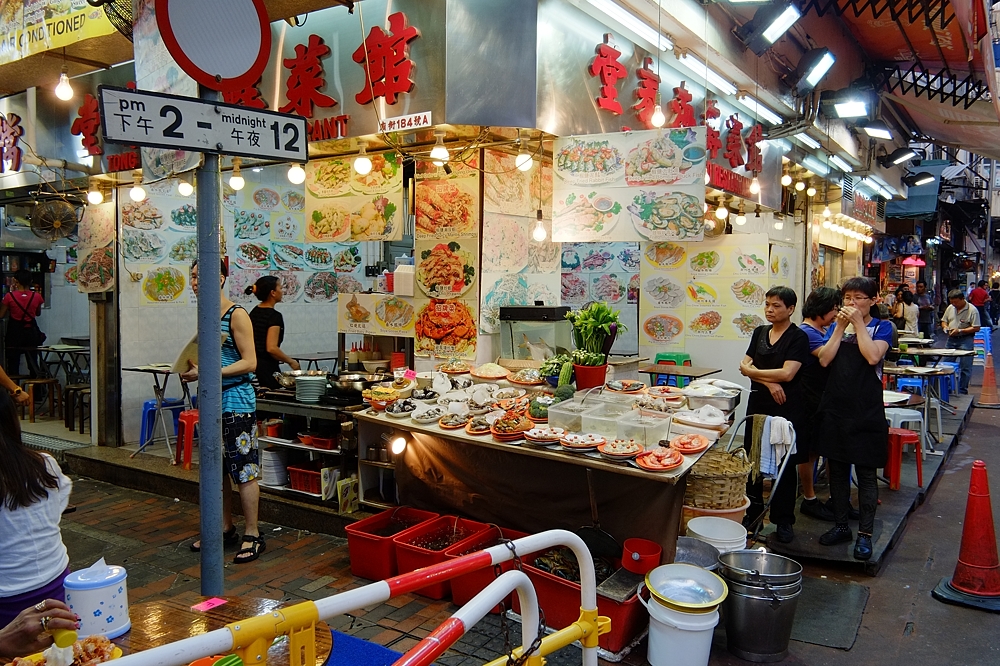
<point>646,92</point>
<point>10,139</point>
<point>713,139</point>
<point>734,142</point>
<point>681,107</point>
<point>306,77</point>
<point>385,58</point>
<point>755,157</point>
<point>248,97</point>
<point>88,124</point>
<point>607,68</point>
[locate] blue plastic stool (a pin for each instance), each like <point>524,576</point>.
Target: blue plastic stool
<point>903,383</point>
<point>953,377</point>
<point>175,405</point>
<point>904,361</point>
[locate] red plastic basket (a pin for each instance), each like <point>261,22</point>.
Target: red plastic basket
<point>373,556</point>
<point>560,599</point>
<point>307,477</point>
<point>411,557</point>
<point>325,443</point>
<point>466,586</point>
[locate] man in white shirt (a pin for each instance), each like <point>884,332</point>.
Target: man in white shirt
<point>960,322</point>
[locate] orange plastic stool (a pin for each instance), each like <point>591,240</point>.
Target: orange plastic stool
<point>186,422</point>
<point>898,438</point>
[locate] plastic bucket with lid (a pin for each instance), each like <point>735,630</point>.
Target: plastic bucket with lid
<point>677,638</point>
<point>724,534</point>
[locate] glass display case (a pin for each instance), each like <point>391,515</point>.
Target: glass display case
<point>534,332</point>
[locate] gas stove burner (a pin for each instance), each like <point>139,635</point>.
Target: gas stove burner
<point>341,400</point>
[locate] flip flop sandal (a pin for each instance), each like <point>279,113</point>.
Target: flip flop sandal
<point>253,551</point>
<point>229,538</point>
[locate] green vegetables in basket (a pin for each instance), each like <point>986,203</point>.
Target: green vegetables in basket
<point>553,365</point>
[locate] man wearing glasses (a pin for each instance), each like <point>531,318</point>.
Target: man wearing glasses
<point>960,322</point>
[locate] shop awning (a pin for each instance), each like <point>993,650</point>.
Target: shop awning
<point>922,200</point>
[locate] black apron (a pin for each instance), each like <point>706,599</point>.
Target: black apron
<point>852,426</point>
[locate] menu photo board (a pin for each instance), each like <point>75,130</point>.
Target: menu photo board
<point>95,270</point>
<point>630,186</point>
<point>375,314</point>
<point>343,205</point>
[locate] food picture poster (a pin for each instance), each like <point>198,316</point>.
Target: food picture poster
<point>342,205</point>
<point>712,289</point>
<point>269,233</point>
<point>376,314</point>
<point>782,267</point>
<point>517,269</point>
<point>629,186</point>
<point>95,269</point>
<point>446,257</point>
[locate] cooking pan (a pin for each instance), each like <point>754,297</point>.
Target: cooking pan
<point>600,543</point>
<point>354,383</point>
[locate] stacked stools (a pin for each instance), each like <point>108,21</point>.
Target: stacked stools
<point>186,423</point>
<point>898,438</point>
<point>70,400</point>
<point>83,404</point>
<point>54,396</point>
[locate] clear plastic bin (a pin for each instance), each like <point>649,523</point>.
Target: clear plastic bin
<point>647,430</point>
<point>567,414</point>
<point>603,418</point>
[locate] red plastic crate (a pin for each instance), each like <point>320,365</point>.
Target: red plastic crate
<point>372,556</point>
<point>326,443</point>
<point>466,586</point>
<point>560,600</point>
<point>306,477</point>
<point>411,557</point>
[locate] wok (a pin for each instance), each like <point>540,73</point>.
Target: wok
<point>287,379</point>
<point>354,383</point>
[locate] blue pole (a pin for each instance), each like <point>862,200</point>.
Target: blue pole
<point>209,184</point>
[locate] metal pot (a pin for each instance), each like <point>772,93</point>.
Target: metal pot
<point>756,567</point>
<point>351,384</point>
<point>287,379</point>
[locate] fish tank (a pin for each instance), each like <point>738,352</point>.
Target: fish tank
<point>534,332</point>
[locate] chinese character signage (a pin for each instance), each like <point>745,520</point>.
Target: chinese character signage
<point>10,142</point>
<point>860,207</point>
<point>646,185</point>
<point>28,27</point>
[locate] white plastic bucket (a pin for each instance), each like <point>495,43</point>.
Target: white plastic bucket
<point>676,638</point>
<point>724,534</point>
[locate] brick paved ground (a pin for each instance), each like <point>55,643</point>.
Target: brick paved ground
<point>149,535</point>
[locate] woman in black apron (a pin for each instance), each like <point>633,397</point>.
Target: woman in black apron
<point>852,427</point>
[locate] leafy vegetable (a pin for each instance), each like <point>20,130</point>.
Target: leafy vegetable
<point>553,365</point>
<point>592,326</point>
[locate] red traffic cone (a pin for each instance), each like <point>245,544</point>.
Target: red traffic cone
<point>989,398</point>
<point>976,582</point>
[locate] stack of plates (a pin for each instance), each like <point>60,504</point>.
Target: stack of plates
<point>309,389</point>
<point>272,464</point>
<point>539,437</point>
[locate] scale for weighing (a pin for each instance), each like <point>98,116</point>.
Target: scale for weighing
<point>534,332</point>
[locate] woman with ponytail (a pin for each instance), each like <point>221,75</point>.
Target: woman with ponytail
<point>268,330</point>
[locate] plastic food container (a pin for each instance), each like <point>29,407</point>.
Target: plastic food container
<point>726,404</point>
<point>567,415</point>
<point>369,541</point>
<point>604,418</point>
<point>647,430</point>
<point>99,595</point>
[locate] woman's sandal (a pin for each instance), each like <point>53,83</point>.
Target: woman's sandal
<point>253,552</point>
<point>229,538</point>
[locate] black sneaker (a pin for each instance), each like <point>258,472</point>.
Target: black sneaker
<point>863,547</point>
<point>852,513</point>
<point>836,534</point>
<point>816,509</point>
<point>784,533</point>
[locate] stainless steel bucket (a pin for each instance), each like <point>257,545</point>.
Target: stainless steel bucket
<point>757,566</point>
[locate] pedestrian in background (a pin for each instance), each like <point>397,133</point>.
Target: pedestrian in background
<point>995,304</point>
<point>960,322</point>
<point>979,297</point>
<point>23,334</point>
<point>925,305</point>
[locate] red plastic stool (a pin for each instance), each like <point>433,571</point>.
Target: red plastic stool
<point>186,422</point>
<point>898,438</point>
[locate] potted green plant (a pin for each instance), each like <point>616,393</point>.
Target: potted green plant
<point>594,330</point>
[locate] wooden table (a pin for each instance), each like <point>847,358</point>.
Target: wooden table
<point>934,354</point>
<point>155,623</point>
<point>312,360</point>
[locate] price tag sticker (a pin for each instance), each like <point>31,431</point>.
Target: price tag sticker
<point>410,374</point>
<point>208,605</point>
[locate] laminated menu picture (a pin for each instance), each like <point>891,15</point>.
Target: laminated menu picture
<point>445,270</point>
<point>446,327</point>
<point>341,204</point>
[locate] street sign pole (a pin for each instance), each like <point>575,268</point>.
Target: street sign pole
<point>209,186</point>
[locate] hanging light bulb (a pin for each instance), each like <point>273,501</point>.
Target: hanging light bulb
<point>439,153</point>
<point>539,233</point>
<point>657,119</point>
<point>523,160</point>
<point>868,240</point>
<point>137,193</point>
<point>722,212</point>
<point>826,211</point>
<point>786,180</point>
<point>755,185</point>
<point>705,207</point>
<point>799,186</point>
<point>362,163</point>
<point>741,215</point>
<point>95,196</point>
<point>64,90</point>
<point>811,192</point>
<point>236,180</point>
<point>827,224</point>
<point>185,188</point>
<point>296,174</point>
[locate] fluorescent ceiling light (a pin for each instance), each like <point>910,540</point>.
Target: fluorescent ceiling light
<point>841,163</point>
<point>813,67</point>
<point>815,165</point>
<point>851,108</point>
<point>634,23</point>
<point>760,110</point>
<point>878,130</point>
<point>807,140</point>
<point>899,156</point>
<point>782,145</point>
<point>781,24</point>
<point>694,64</point>
<point>918,179</point>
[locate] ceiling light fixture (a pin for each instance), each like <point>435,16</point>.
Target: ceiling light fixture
<point>185,188</point>
<point>657,119</point>
<point>707,74</point>
<point>897,157</point>
<point>841,163</point>
<point>363,163</point>
<point>918,179</point>
<point>236,180</point>
<point>296,174</point>
<point>64,89</point>
<point>806,140</point>
<point>812,67</point>
<point>810,191</point>
<point>768,24</point>
<point>523,161</point>
<point>851,108</point>
<point>722,212</point>
<point>815,165</point>
<point>95,195</point>
<point>539,233</point>
<point>786,180</point>
<point>877,129</point>
<point>799,186</point>
<point>137,193</point>
<point>633,23</point>
<point>439,153</point>
<point>755,184</point>
<point>741,216</point>
<point>761,111</point>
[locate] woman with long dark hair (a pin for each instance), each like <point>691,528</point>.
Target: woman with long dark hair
<point>33,494</point>
<point>268,330</point>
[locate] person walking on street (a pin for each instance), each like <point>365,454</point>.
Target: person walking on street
<point>239,424</point>
<point>851,418</point>
<point>23,335</point>
<point>995,304</point>
<point>960,323</point>
<point>979,297</point>
<point>911,313</point>
<point>926,308</point>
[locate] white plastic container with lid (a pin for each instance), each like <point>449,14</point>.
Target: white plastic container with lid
<point>99,595</point>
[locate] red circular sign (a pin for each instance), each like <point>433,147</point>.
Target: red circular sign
<point>221,44</point>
